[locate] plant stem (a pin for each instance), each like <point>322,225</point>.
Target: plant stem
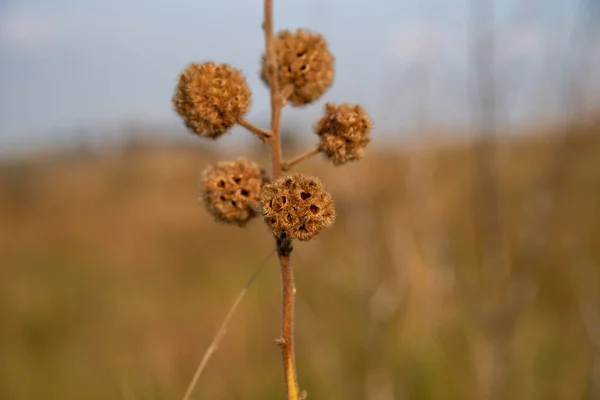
<point>263,134</point>
<point>276,101</point>
<point>284,245</point>
<point>298,159</point>
<point>286,342</point>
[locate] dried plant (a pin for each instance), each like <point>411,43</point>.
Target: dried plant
<point>231,190</point>
<point>211,98</point>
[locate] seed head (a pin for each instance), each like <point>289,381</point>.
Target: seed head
<point>344,132</point>
<point>211,98</point>
<point>297,206</point>
<point>231,190</point>
<point>304,66</point>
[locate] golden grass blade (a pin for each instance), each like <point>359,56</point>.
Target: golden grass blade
<point>223,328</point>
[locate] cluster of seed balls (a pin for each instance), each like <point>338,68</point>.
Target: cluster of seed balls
<point>212,98</point>
<point>295,206</point>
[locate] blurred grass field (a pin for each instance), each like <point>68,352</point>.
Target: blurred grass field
<point>114,279</point>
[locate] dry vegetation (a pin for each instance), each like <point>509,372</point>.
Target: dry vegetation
<point>114,279</point>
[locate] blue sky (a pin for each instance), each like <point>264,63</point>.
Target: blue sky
<point>91,65</point>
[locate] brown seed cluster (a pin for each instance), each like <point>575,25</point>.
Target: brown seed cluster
<point>297,206</point>
<point>344,132</point>
<point>304,66</point>
<point>231,190</point>
<point>211,98</point>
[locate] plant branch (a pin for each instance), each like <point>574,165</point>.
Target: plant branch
<point>284,245</point>
<point>276,100</point>
<point>263,134</point>
<point>214,345</point>
<point>298,159</point>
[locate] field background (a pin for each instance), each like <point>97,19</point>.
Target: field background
<point>113,278</point>
<point>464,263</point>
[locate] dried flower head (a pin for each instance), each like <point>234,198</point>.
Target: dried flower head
<point>304,66</point>
<point>344,132</point>
<point>211,98</point>
<point>297,206</point>
<point>231,190</point>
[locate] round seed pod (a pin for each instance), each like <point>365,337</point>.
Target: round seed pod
<point>344,132</point>
<point>305,67</point>
<point>211,98</point>
<point>297,206</point>
<point>231,190</point>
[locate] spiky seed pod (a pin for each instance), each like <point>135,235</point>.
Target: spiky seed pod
<point>304,66</point>
<point>297,206</point>
<point>231,190</point>
<point>344,132</point>
<point>211,98</point>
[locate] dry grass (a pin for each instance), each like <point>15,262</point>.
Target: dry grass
<point>113,278</point>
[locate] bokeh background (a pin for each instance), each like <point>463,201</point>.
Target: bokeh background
<point>465,260</point>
